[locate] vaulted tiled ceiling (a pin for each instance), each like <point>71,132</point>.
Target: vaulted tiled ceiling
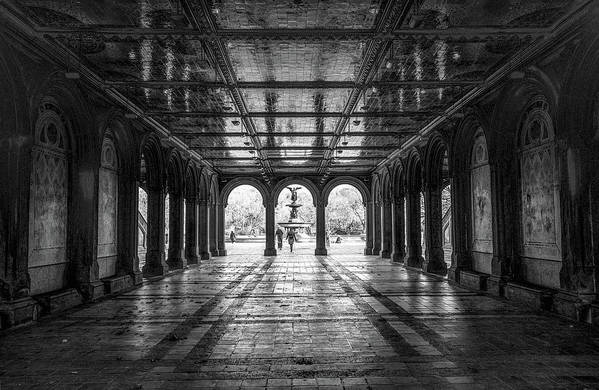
<point>279,87</point>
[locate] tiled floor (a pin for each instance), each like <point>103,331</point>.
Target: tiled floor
<point>301,321</point>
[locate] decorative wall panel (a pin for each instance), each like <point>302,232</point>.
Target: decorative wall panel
<point>482,231</point>
<point>107,212</point>
<point>48,206</point>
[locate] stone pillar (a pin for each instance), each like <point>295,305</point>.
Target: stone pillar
<point>128,209</point>
<point>191,231</point>
<point>176,254</point>
<point>270,249</point>
<point>376,228</point>
<point>204,230</point>
<point>399,248</point>
<point>220,239</point>
<point>321,246</point>
<point>460,220</point>
<point>386,229</point>
<point>213,230</point>
<point>369,228</point>
<point>414,230</point>
<point>155,257</point>
<point>433,232</point>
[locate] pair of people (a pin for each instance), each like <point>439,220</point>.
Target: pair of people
<point>290,237</point>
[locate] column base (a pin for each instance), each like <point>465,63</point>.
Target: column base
<point>18,311</point>
<point>222,252</point>
<point>58,301</point>
<point>205,256</point>
<point>93,290</point>
<point>137,277</point>
<point>270,252</point>
<point>415,261</point>
<point>368,251</point>
<point>434,267</point>
<point>176,262</point>
<point>195,259</point>
<point>155,264</point>
<point>321,252</point>
<point>385,254</point>
<point>398,257</point>
<point>376,251</point>
<point>116,284</point>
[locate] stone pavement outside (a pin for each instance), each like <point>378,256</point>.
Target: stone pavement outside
<point>300,321</point>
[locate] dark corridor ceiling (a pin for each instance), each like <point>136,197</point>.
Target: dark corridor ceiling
<point>295,86</point>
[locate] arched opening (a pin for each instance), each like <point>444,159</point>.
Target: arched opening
<point>142,224</point>
<point>346,220</point>
<point>245,221</point>
<point>305,236</point>
<point>108,182</point>
<point>446,224</point>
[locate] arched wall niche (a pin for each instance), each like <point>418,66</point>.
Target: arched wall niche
<point>191,183</point>
<point>50,196</point>
<point>539,183</point>
<point>108,208</point>
<point>175,172</point>
<point>481,204</point>
<point>151,172</point>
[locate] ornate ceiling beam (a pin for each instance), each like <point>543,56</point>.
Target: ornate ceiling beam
<point>297,134</point>
<point>288,148</point>
<point>217,52</point>
<point>288,114</point>
<point>390,20</point>
<point>159,84</point>
<point>124,33</point>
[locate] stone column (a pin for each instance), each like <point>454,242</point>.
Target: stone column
<point>460,220</point>
<point>414,230</point>
<point>204,230</point>
<point>433,232</point>
<point>127,214</point>
<point>376,228</point>
<point>321,246</point>
<point>399,248</point>
<point>155,257</point>
<point>220,239</point>
<point>270,249</point>
<point>213,230</point>
<point>191,232</point>
<point>369,227</point>
<point>176,254</point>
<point>387,229</point>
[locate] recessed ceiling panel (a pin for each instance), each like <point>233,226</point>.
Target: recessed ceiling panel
<point>163,14</point>
<point>515,13</point>
<point>445,59</point>
<point>295,100</point>
<point>200,125</point>
<point>267,14</point>
<point>147,60</point>
<point>219,153</point>
<point>292,125</point>
<point>399,124</point>
<point>369,141</point>
<point>290,141</point>
<point>393,99</point>
<point>179,99</point>
<point>199,141</point>
<point>295,60</point>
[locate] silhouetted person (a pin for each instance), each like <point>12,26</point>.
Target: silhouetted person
<point>232,237</point>
<point>291,239</point>
<point>279,233</point>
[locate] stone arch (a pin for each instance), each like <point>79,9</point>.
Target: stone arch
<point>192,181</point>
<point>276,192</point>
<point>214,197</point>
<point>175,172</point>
<point>152,174</point>
<point>414,171</point>
<point>376,189</point>
<point>232,184</point>
<point>204,190</point>
<point>398,179</point>
<point>356,183</point>
<point>434,154</point>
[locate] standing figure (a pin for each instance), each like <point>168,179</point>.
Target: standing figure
<point>291,238</point>
<point>279,233</point>
<point>232,237</point>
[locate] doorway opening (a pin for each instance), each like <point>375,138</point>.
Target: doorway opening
<point>245,221</point>
<point>305,236</point>
<point>346,221</point>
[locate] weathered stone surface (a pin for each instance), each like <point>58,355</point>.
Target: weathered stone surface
<point>342,321</point>
<point>474,280</point>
